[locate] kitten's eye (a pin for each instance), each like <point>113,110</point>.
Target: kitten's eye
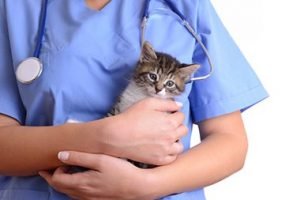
<point>170,84</point>
<point>152,77</point>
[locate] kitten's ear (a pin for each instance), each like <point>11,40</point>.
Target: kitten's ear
<point>148,54</point>
<point>187,70</point>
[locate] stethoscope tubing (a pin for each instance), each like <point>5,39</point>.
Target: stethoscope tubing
<point>190,29</point>
<point>41,31</point>
<point>37,69</point>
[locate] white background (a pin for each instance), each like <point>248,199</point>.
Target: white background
<point>267,32</point>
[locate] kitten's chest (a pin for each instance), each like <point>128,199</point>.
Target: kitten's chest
<point>131,95</point>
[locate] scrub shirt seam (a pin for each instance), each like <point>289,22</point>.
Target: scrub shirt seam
<point>242,93</point>
<point>231,104</point>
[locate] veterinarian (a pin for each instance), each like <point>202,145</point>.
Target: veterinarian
<point>67,61</point>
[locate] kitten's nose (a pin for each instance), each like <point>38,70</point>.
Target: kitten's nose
<point>158,89</point>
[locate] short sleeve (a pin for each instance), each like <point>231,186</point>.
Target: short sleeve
<point>10,102</point>
<point>233,85</point>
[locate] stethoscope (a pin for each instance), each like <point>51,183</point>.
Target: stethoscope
<point>31,68</point>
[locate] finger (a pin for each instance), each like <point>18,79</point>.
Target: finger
<point>167,160</point>
<point>65,181</point>
<point>46,175</point>
<point>177,148</point>
<point>62,182</point>
<point>181,131</point>
<point>164,105</point>
<point>87,160</point>
<point>53,179</point>
<point>176,118</point>
<point>61,170</point>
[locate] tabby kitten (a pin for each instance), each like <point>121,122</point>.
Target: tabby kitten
<point>157,75</point>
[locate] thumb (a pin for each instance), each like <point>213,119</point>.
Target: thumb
<point>165,105</point>
<point>87,160</point>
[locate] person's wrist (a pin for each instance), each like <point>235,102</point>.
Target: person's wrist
<point>79,137</point>
<point>112,136</point>
<point>151,184</point>
<point>94,136</point>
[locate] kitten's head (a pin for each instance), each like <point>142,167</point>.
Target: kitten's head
<point>160,74</point>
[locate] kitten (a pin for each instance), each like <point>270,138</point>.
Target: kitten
<point>157,75</point>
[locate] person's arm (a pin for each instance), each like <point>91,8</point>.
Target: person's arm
<point>27,150</point>
<point>221,153</point>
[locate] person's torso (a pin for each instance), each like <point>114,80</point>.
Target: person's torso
<point>88,57</point>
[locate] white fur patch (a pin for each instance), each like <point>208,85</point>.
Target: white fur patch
<point>162,93</point>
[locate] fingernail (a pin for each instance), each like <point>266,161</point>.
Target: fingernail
<point>63,155</point>
<point>178,103</point>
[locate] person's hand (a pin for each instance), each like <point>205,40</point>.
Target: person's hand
<point>108,178</point>
<point>150,130</point>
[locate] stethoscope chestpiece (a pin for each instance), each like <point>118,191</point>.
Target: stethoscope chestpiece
<point>29,70</point>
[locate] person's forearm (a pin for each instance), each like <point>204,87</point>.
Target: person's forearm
<point>214,159</point>
<point>26,150</point>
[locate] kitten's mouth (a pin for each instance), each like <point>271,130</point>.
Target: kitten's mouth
<point>162,96</point>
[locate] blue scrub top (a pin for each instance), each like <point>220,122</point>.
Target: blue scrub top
<point>88,56</point>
